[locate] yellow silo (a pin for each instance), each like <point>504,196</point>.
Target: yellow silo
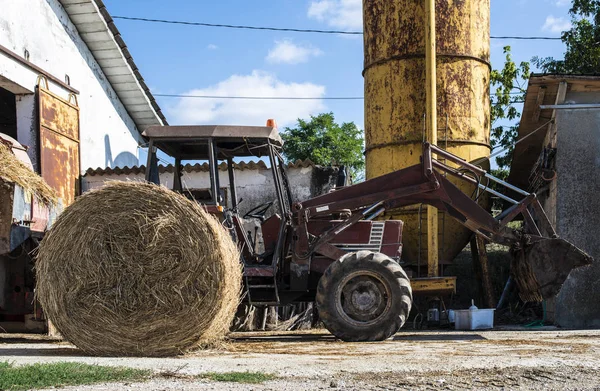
<point>395,100</point>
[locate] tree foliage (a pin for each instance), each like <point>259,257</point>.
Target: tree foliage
<point>325,142</point>
<point>508,87</point>
<point>582,42</point>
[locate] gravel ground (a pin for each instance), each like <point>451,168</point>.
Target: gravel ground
<point>517,359</point>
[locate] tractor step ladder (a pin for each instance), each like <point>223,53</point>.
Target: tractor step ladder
<point>263,285</point>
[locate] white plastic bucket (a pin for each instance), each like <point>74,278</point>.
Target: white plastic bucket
<point>480,319</point>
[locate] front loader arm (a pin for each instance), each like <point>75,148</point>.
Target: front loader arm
<point>424,183</point>
<point>413,185</point>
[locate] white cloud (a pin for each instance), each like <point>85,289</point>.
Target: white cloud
<point>288,52</point>
<point>562,3</point>
<point>212,46</point>
<point>190,111</point>
<point>556,25</point>
<point>345,14</point>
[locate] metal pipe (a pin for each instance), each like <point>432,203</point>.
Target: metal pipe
<point>212,168</point>
<point>507,185</point>
<point>466,178</point>
<point>177,186</point>
<point>374,215</point>
<point>505,293</point>
<point>277,180</point>
<point>149,161</point>
<point>232,188</point>
<point>456,159</point>
<point>505,213</point>
<point>576,106</point>
<point>494,192</point>
<point>431,86</point>
<point>217,178</point>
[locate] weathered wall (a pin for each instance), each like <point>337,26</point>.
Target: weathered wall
<point>108,134</point>
<point>578,209</point>
<point>254,186</point>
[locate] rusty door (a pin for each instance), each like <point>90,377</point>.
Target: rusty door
<point>59,144</point>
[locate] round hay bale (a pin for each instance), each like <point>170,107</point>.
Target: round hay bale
<point>15,171</point>
<point>134,269</point>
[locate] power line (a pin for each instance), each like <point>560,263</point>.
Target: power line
<point>295,30</point>
<point>233,26</point>
<point>272,97</point>
<point>526,38</point>
<point>262,97</point>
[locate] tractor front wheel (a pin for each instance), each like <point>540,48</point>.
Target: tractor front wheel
<point>364,296</point>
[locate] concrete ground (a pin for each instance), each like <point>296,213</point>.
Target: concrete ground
<point>527,359</point>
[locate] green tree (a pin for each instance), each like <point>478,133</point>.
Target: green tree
<point>325,142</point>
<point>582,42</point>
<point>508,87</point>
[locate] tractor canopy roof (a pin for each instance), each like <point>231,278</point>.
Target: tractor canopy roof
<point>191,142</point>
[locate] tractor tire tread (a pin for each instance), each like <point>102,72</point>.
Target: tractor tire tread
<point>388,269</point>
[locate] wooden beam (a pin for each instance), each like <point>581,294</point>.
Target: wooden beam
<point>560,99</point>
<point>486,279</point>
<point>477,269</point>
<point>538,102</point>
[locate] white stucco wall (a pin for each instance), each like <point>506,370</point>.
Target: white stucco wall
<point>108,135</point>
<point>253,186</point>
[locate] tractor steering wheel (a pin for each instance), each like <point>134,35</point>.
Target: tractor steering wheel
<point>259,211</point>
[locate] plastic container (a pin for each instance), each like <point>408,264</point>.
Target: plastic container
<point>450,316</point>
<point>474,319</point>
<point>433,315</point>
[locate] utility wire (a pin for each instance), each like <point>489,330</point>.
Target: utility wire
<point>274,97</point>
<point>263,97</point>
<point>526,38</point>
<point>233,26</point>
<point>295,30</point>
<point>503,150</point>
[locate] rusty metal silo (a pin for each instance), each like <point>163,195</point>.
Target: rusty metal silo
<point>395,99</point>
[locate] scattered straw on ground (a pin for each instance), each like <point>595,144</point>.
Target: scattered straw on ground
<point>134,269</point>
<point>15,171</point>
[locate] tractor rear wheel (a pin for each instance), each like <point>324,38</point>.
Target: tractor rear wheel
<point>364,296</point>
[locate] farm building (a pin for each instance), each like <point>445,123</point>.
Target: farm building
<point>69,54</point>
<point>558,159</point>
<point>254,180</point>
<point>71,98</point>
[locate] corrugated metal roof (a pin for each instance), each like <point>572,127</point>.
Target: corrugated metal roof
<point>541,90</point>
<point>136,170</point>
<point>98,31</point>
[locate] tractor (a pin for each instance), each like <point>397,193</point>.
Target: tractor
<point>332,249</point>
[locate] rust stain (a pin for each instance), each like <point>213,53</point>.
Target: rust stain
<point>395,95</point>
<point>59,145</point>
<point>59,115</point>
<point>6,208</point>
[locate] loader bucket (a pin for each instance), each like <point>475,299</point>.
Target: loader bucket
<point>540,266</point>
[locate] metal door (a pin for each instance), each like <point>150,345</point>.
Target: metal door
<point>59,143</point>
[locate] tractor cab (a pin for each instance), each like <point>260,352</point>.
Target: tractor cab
<point>260,230</point>
<point>272,234</point>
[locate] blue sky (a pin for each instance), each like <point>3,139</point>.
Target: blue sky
<point>175,59</point>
